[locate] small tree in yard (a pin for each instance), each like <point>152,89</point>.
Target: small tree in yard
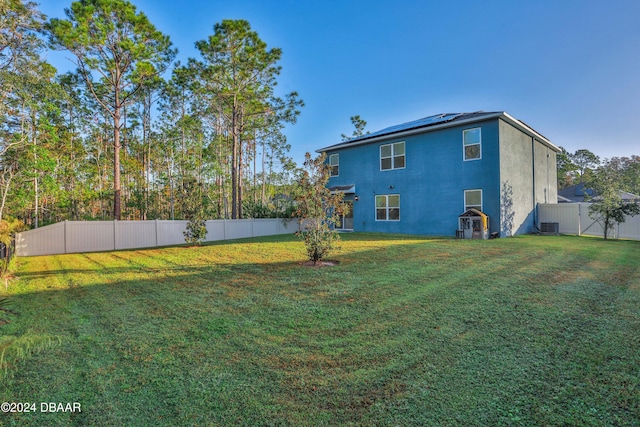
<point>318,209</point>
<point>196,230</point>
<point>607,207</point>
<point>194,213</point>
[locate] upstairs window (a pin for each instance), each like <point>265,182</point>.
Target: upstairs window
<point>392,156</point>
<point>473,200</point>
<point>472,143</point>
<point>334,164</point>
<point>388,207</point>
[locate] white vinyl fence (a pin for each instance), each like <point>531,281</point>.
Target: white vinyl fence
<point>92,236</point>
<point>573,218</point>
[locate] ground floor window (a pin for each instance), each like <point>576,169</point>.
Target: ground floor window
<point>388,207</point>
<point>473,200</point>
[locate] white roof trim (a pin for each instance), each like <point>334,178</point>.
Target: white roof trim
<point>499,115</point>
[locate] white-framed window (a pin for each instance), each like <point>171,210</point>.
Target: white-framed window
<point>388,207</point>
<point>334,164</point>
<point>392,156</point>
<point>473,200</point>
<point>472,144</point>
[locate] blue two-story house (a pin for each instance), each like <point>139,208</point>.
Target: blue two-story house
<point>419,177</point>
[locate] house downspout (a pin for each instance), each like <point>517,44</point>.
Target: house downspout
<point>533,182</point>
<point>547,188</point>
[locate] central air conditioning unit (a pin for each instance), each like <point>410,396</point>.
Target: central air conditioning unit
<point>549,228</point>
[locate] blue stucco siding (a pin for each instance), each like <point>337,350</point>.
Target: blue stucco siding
<point>431,186</point>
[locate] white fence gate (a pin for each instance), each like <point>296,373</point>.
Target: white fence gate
<point>92,236</point>
<point>573,218</point>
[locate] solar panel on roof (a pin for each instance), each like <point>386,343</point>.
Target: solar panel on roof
<point>427,121</point>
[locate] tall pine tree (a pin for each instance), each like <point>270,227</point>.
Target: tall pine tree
<point>117,51</point>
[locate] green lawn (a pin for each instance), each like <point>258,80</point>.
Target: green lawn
<point>403,331</point>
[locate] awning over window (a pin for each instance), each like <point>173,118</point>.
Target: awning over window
<point>345,189</point>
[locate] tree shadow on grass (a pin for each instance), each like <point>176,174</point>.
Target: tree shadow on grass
<point>273,342</point>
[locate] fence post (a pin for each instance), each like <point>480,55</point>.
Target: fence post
<point>579,219</point>
<point>156,230</point>
<point>65,236</point>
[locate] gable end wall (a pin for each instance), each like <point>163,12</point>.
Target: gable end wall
<point>527,177</point>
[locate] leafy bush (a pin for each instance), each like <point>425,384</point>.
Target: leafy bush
<point>318,209</point>
<point>194,212</point>
<point>196,231</point>
<point>319,242</point>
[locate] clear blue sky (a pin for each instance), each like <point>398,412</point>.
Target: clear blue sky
<point>569,68</point>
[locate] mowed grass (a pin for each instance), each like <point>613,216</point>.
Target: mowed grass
<point>403,331</point>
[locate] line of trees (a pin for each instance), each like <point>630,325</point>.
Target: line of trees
<point>130,134</point>
<point>582,167</point>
